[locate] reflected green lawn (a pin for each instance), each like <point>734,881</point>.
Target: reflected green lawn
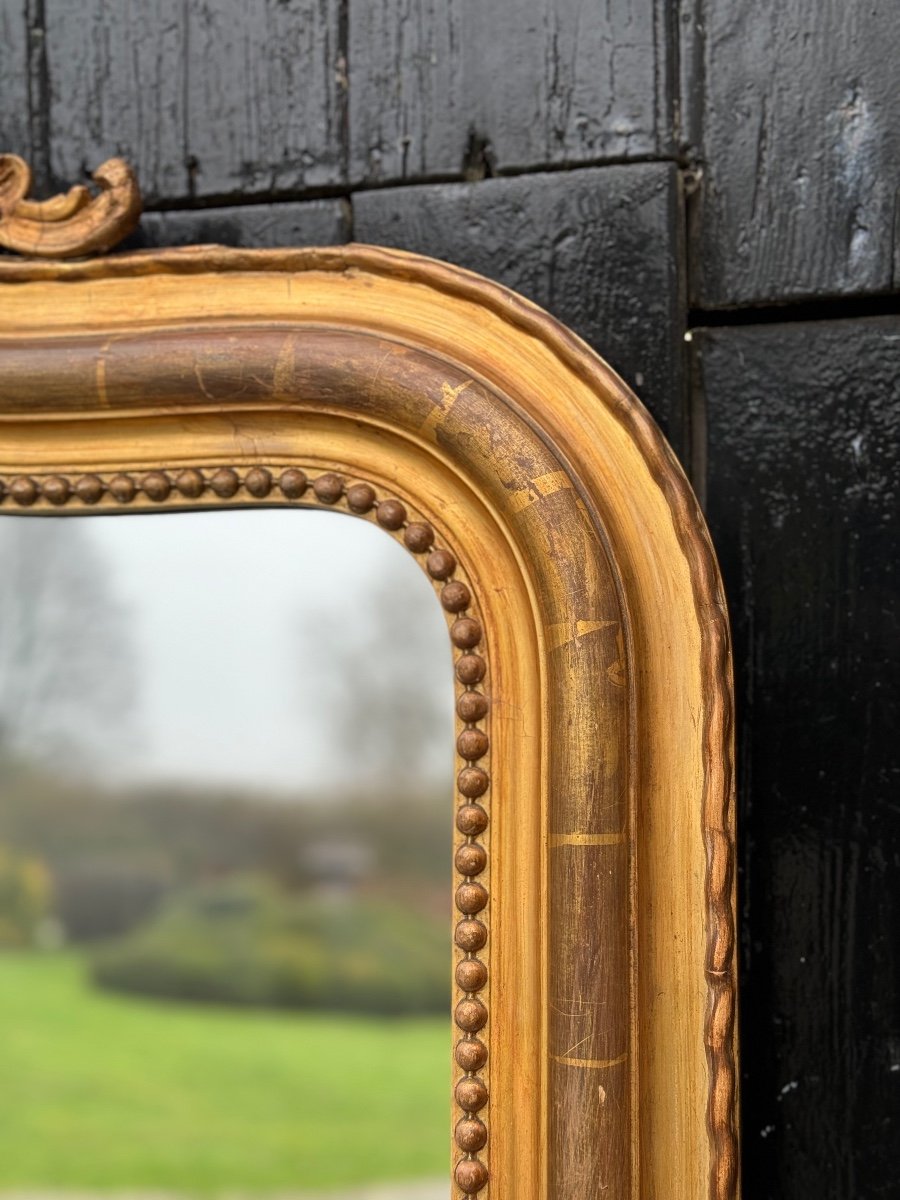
<point>104,1092</point>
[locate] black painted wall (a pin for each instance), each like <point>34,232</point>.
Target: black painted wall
<point>707,191</point>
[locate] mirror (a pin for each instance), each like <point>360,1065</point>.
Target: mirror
<point>595,1001</point>
<point>224,961</point>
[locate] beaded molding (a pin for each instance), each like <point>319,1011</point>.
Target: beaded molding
<point>472,744</point>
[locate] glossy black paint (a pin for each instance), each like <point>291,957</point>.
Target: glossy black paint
<point>279,122</point>
<point>804,506</point>
<point>798,141</point>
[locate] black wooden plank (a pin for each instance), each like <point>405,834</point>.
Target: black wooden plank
<point>540,81</point>
<point>599,248</point>
<point>305,223</point>
<point>15,108</point>
<point>117,87</point>
<point>265,95</point>
<point>804,459</point>
<point>208,99</point>
<point>800,147</point>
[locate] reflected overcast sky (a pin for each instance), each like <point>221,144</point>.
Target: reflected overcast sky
<point>231,615</point>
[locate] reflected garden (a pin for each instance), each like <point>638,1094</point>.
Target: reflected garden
<point>225,756</point>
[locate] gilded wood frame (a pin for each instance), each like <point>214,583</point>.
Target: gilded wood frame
<point>210,377</point>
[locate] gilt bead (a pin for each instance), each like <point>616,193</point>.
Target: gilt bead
<point>471,1054</point>
<point>470,859</point>
<point>390,514</point>
<point>470,935</point>
<point>56,489</point>
<point>293,483</point>
<point>440,564</point>
<point>471,976</point>
<point>328,488</point>
<point>471,1094</point>
<point>470,668</point>
<point>225,483</point>
<point>156,485</point>
<point>258,482</point>
<point>471,819</point>
<point>471,1174</point>
<point>418,537</point>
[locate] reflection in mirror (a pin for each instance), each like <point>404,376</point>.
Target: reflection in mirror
<point>225,755</point>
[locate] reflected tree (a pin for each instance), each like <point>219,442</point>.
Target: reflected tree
<point>67,664</point>
<point>383,681</point>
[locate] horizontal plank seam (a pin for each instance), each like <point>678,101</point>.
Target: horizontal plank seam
<point>332,191</point>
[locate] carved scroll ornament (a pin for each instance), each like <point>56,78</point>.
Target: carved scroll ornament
<point>72,224</point>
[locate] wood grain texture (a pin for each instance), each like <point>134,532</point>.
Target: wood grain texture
<point>209,99</point>
<point>117,79</point>
<point>801,136</point>
<point>16,125</point>
<point>73,223</point>
<point>611,913</point>
<point>599,248</point>
<point>804,454</point>
<point>433,83</point>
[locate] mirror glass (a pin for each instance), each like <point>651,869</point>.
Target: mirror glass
<point>226,751</point>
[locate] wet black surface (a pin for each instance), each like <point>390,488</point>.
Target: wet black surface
<point>798,138</point>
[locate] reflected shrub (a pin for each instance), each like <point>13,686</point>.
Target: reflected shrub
<point>103,897</point>
<point>25,898</point>
<point>243,941</point>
